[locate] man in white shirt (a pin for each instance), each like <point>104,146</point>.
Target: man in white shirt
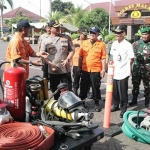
<point>123,57</point>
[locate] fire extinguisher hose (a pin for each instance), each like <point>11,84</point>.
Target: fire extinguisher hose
<point>21,136</point>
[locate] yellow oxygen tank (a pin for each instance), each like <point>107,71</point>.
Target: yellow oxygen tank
<point>53,106</point>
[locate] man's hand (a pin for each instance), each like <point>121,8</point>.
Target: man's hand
<point>44,55</point>
<point>102,73</point>
<point>65,62</point>
<point>37,63</point>
<point>79,70</point>
<point>54,67</point>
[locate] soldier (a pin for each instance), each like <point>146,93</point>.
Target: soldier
<point>141,67</point>
<point>60,52</point>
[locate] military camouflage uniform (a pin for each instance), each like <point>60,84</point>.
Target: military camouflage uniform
<point>141,69</point>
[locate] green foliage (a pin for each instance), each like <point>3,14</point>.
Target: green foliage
<point>139,33</point>
<point>74,36</point>
<point>57,15</point>
<point>97,17</point>
<point>20,16</point>
<point>58,5</point>
<point>103,32</point>
<point>110,37</point>
<point>74,15</point>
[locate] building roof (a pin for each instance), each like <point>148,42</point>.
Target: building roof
<point>105,5</point>
<point>28,13</point>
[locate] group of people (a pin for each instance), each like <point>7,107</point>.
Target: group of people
<point>89,59</point>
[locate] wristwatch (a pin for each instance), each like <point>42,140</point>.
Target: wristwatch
<point>30,63</point>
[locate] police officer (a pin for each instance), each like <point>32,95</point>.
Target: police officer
<point>60,52</point>
<point>43,36</point>
<point>141,67</point>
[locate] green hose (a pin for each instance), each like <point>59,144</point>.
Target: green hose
<point>138,134</point>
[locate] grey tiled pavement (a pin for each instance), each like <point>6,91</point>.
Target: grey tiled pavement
<point>118,142</point>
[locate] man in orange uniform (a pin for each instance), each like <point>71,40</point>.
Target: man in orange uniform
<point>20,50</point>
<point>77,42</point>
<point>92,62</point>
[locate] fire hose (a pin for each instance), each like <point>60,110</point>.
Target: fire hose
<point>20,136</point>
<point>131,128</point>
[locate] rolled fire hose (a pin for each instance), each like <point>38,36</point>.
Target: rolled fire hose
<point>132,130</point>
<point>19,136</point>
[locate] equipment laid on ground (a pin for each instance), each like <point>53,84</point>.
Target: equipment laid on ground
<point>36,93</point>
<point>67,115</point>
<point>136,125</point>
<point>25,136</point>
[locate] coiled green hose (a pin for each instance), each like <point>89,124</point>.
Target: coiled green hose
<point>137,133</point>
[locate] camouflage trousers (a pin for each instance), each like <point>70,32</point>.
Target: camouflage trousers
<point>141,72</point>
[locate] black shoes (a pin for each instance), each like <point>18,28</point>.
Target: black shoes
<point>121,114</point>
<point>97,109</point>
<point>132,103</point>
<point>147,106</point>
<point>90,95</point>
<point>114,108</point>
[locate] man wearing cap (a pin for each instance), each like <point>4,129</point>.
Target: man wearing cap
<point>141,67</point>
<point>123,57</point>
<point>43,36</point>
<point>92,62</point>
<point>60,52</point>
<point>19,49</point>
<point>77,42</point>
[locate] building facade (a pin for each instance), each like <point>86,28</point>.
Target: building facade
<point>131,13</point>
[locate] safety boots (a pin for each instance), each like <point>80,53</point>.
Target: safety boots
<point>96,107</point>
<point>134,100</point>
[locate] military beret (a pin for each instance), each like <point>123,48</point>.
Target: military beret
<point>146,30</point>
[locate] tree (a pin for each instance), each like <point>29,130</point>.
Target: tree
<point>20,16</point>
<point>139,33</point>
<point>74,15</point>
<point>2,7</point>
<point>58,5</point>
<point>97,17</point>
<point>104,32</point>
<point>57,15</point>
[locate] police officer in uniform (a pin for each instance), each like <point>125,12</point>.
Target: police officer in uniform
<point>42,37</point>
<point>141,67</point>
<point>60,51</point>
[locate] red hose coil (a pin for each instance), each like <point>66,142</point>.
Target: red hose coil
<point>19,136</point>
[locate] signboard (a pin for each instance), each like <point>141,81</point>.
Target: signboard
<point>135,7</point>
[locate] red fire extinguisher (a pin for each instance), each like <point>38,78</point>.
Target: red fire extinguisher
<point>15,91</point>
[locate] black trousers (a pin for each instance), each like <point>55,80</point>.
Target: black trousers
<point>120,93</point>
<point>94,79</point>
<point>56,79</point>
<point>76,77</point>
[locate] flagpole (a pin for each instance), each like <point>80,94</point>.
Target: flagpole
<point>109,14</point>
